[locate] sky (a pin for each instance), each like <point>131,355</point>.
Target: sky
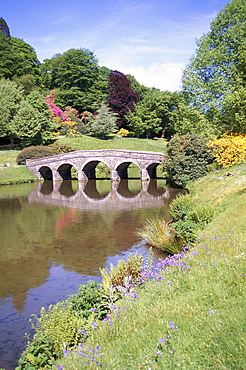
<point>153,40</point>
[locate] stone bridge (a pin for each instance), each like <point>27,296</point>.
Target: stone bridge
<point>58,167</point>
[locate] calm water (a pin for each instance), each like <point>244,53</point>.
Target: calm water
<point>57,236</point>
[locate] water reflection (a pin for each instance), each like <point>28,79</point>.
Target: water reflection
<point>56,236</point>
<point>87,197</point>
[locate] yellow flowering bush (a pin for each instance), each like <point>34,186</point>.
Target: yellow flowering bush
<point>123,132</point>
<point>229,149</point>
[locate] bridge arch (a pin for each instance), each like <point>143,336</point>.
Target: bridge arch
<point>89,168</point>
<point>65,171</point>
<point>46,173</point>
<point>122,169</point>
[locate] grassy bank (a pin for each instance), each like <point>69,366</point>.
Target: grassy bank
<point>15,174</point>
<point>192,316</point>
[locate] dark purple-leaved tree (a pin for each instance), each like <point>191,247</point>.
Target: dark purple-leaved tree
<point>121,97</point>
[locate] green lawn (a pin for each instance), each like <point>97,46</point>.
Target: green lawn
<point>93,143</point>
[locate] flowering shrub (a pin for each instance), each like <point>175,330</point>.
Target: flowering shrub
<point>56,111</point>
<point>123,132</point>
<point>229,149</point>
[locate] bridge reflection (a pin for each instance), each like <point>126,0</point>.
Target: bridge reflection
<point>89,196</point>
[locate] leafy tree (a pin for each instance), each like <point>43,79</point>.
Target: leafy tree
<point>151,114</point>
<point>104,122</point>
<point>25,125</point>
<point>25,121</point>
<point>28,83</point>
<point>218,67</point>
<point>185,118</point>
<point>77,78</point>
<point>122,97</point>
<point>4,27</point>
<point>136,86</point>
<point>17,58</point>
<point>10,99</point>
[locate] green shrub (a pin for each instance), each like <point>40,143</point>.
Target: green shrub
<point>89,296</point>
<point>56,329</point>
<point>60,148</point>
<point>34,152</point>
<point>187,159</point>
<point>189,217</point>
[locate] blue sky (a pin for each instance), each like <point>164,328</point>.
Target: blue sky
<point>152,40</point>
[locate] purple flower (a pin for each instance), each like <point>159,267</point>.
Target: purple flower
<point>94,325</point>
<point>82,331</point>
<point>60,367</point>
<point>135,296</point>
<point>163,340</point>
<point>194,253</point>
<point>211,312</point>
<point>172,325</point>
<point>159,353</point>
<point>93,309</point>
<point>107,318</point>
<point>172,350</point>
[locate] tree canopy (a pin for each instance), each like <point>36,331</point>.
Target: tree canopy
<point>122,98</point>
<point>217,72</point>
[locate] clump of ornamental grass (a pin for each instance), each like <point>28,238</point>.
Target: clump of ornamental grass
<point>160,234</point>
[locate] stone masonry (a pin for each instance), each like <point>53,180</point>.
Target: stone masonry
<point>58,167</point>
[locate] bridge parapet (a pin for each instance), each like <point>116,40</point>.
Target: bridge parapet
<point>58,167</point>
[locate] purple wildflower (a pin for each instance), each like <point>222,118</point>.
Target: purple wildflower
<point>172,325</point>
<point>94,325</point>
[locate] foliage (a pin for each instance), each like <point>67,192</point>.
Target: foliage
<point>116,276</point>
<point>189,217</point>
<point>122,97</point>
<point>187,159</point>
<point>215,78</point>
<point>34,152</point>
<point>4,27</point>
<point>160,234</point>
<point>56,329</point>
<point>24,119</point>
<point>123,132</point>
<point>61,148</point>
<point>104,122</point>
<point>229,149</point>
<point>185,118</point>
<point>17,58</point>
<point>88,299</point>
<point>151,114</point>
<point>56,111</point>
